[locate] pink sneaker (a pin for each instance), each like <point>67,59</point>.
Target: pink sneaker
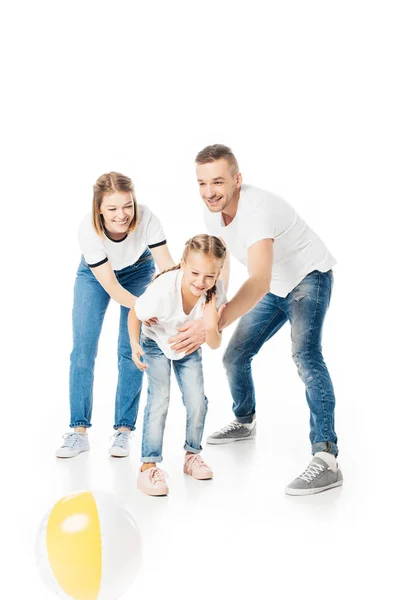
<point>195,466</point>
<point>152,482</point>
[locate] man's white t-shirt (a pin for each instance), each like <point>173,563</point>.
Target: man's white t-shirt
<point>297,250</point>
<point>163,299</point>
<point>123,253</point>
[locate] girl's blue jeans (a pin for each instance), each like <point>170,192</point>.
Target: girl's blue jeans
<point>189,375</point>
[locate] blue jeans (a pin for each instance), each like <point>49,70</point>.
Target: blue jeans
<point>90,304</point>
<point>305,308</point>
<point>189,375</point>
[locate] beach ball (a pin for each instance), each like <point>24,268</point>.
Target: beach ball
<point>88,547</point>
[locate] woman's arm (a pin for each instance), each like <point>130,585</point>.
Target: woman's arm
<point>106,277</point>
<point>134,333</point>
<point>162,257</point>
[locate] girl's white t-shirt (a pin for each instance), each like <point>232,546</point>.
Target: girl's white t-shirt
<point>163,299</point>
<point>297,250</point>
<point>123,253</point>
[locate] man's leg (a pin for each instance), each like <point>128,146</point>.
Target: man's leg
<point>253,330</point>
<point>306,307</point>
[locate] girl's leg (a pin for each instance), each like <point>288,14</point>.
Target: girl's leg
<point>158,391</point>
<point>189,374</point>
<point>90,304</point>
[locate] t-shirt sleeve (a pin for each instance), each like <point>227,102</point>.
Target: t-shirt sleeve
<point>148,305</point>
<point>220,293</point>
<point>155,235</point>
<point>90,243</point>
<point>267,220</point>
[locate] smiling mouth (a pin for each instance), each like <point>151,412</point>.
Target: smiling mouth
<point>213,201</point>
<point>121,222</point>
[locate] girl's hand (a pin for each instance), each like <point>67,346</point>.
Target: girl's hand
<point>137,352</point>
<point>210,313</point>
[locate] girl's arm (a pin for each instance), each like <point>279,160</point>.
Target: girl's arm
<point>211,317</point>
<point>134,333</point>
<point>106,277</point>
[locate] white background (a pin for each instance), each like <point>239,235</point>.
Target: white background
<point>307,95</point>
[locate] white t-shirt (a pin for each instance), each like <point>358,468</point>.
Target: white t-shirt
<point>297,250</point>
<point>123,253</point>
<point>163,299</point>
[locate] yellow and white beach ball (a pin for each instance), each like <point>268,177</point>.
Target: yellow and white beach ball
<point>88,547</point>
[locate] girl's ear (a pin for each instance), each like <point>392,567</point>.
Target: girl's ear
<point>182,263</point>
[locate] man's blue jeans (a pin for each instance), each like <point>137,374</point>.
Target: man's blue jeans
<point>189,375</point>
<point>90,304</point>
<point>305,308</point>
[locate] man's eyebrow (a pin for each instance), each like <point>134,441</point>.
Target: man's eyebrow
<point>214,179</point>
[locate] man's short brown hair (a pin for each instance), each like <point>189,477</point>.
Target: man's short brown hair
<point>216,152</point>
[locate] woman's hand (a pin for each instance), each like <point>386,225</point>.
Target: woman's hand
<point>137,352</point>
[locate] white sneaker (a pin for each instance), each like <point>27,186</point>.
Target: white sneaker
<point>121,444</point>
<point>74,444</point>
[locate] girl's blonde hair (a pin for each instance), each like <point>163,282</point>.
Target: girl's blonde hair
<point>209,245</point>
<point>110,183</point>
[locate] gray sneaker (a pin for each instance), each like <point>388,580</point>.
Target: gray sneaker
<point>318,477</point>
<point>234,432</point>
<point>121,443</point>
<point>74,444</point>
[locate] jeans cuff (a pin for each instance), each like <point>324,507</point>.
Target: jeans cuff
<point>80,424</point>
<point>248,419</point>
<point>150,459</point>
<point>128,425</point>
<point>191,449</point>
<point>329,447</point>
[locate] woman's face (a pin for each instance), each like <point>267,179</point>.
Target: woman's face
<point>118,211</point>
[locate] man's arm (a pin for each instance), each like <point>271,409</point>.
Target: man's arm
<point>255,287</point>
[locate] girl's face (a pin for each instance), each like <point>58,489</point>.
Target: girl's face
<point>118,211</point>
<point>200,272</point>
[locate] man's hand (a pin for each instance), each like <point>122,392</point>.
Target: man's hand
<point>192,336</point>
<point>151,321</point>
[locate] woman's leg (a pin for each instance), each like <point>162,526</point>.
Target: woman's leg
<point>135,279</point>
<point>90,304</point>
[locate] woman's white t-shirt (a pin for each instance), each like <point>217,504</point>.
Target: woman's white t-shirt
<point>297,250</point>
<point>123,253</point>
<point>163,299</point>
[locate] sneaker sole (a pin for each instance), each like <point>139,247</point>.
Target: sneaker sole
<point>114,455</point>
<point>216,442</point>
<point>199,478</point>
<point>72,455</point>
<point>154,492</point>
<point>309,492</point>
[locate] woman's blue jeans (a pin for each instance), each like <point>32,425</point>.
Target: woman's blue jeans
<point>305,308</point>
<point>90,304</point>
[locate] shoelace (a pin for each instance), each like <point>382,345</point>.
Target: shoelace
<point>121,438</point>
<point>196,460</point>
<point>157,474</point>
<point>71,439</point>
<point>311,472</point>
<point>231,427</point>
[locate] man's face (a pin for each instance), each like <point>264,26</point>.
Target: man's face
<point>217,184</point>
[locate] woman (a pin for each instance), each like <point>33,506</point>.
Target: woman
<point>119,241</point>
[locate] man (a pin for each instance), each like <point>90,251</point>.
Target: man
<point>290,279</point>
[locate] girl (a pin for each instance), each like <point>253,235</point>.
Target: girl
<point>185,292</point>
<point>119,240</point>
